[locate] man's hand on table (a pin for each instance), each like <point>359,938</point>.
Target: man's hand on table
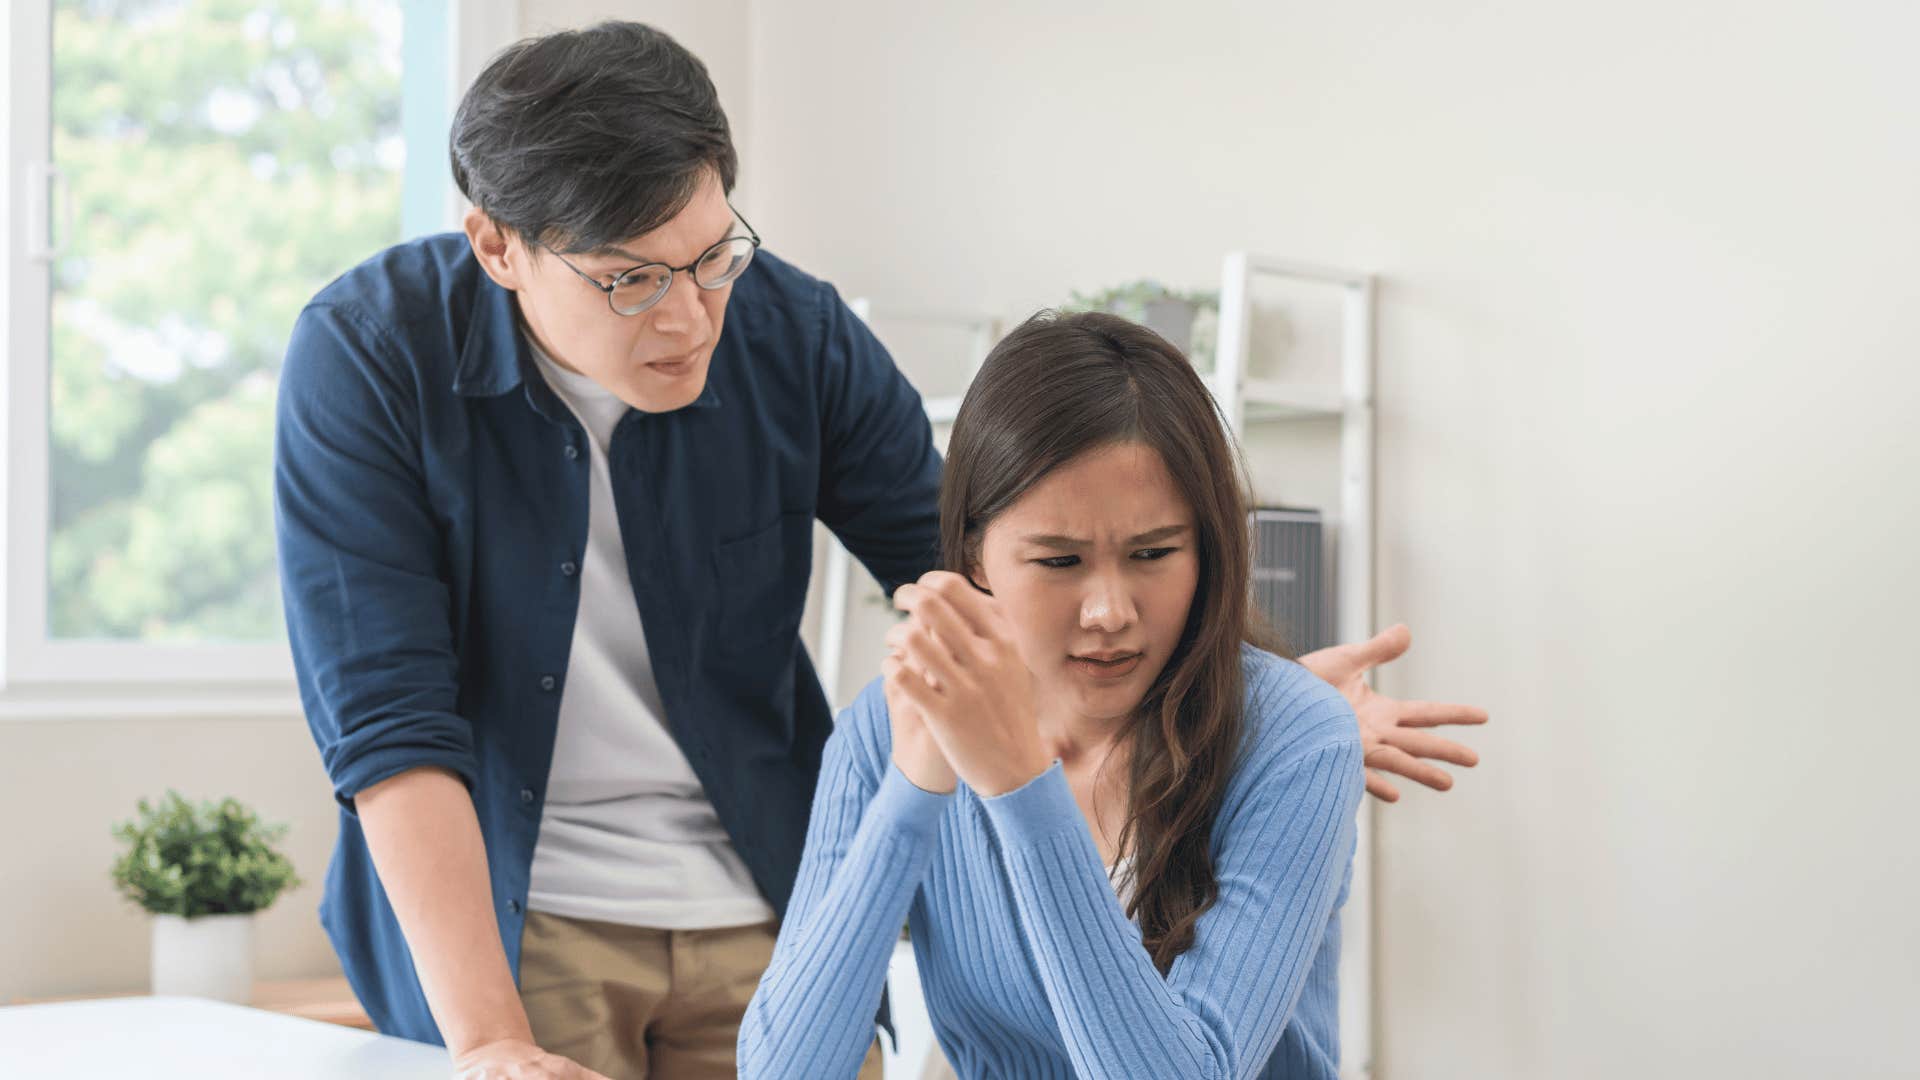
<point>516,1059</point>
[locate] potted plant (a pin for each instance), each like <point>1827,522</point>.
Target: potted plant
<point>1189,320</point>
<point>202,871</point>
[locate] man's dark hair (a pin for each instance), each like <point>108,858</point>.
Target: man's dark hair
<point>584,139</point>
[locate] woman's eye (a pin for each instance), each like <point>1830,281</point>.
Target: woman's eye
<point>1059,562</point>
<point>1154,553</point>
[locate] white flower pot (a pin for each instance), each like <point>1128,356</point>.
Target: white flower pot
<point>210,956</point>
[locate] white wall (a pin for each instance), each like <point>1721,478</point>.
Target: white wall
<point>1648,354</point>
<point>65,781</point>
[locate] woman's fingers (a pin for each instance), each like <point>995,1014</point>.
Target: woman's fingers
<point>951,605</point>
<point>897,648</point>
<point>890,668</point>
<point>925,651</point>
<point>930,610</point>
<point>1397,761</point>
<point>911,685</point>
<point>943,634</point>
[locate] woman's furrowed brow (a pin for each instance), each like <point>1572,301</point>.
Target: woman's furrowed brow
<point>1164,532</point>
<point>1069,543</point>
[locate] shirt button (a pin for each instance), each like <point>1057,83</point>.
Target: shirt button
<point>568,568</point>
<point>548,682</point>
<point>513,906</point>
<point>572,452</point>
<point>526,794</point>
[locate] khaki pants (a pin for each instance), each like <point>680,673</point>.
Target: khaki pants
<point>936,1067</point>
<point>636,1003</point>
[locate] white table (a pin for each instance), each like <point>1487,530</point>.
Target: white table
<point>176,1038</point>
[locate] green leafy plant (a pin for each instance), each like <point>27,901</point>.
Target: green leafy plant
<point>210,859</point>
<point>1135,299</point>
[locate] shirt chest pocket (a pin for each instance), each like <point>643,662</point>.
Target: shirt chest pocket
<point>761,582</point>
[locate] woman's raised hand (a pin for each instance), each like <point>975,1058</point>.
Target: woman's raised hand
<point>953,659</point>
<point>914,750</point>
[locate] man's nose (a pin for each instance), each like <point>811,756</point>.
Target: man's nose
<point>681,312</point>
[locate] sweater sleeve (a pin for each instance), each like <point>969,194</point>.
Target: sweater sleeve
<point>1284,843</point>
<point>870,842</point>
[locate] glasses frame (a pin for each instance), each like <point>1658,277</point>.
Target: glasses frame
<point>672,271</point>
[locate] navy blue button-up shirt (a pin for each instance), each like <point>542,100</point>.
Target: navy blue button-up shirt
<point>429,495</point>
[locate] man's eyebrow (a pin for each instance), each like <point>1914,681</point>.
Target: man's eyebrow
<point>636,260</point>
<point>617,253</point>
<point>1069,543</point>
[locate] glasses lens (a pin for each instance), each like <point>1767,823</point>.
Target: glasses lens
<point>723,262</point>
<point>640,288</point>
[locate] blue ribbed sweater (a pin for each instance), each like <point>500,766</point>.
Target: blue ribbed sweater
<point>1031,968</point>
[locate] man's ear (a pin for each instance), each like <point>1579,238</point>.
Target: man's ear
<point>504,260</point>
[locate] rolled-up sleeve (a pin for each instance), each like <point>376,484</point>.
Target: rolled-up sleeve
<point>366,597</point>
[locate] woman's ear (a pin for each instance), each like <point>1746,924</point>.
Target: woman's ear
<point>977,577</point>
<point>972,547</point>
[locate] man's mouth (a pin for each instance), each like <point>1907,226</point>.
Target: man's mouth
<point>676,366</point>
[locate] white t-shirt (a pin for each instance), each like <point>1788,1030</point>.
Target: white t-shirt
<point>1117,877</point>
<point>627,834</point>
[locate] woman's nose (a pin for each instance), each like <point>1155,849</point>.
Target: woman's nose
<point>1106,608</point>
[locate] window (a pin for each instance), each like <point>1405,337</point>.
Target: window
<point>194,170</point>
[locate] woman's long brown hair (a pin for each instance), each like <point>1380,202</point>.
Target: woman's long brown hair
<point>1055,388</point>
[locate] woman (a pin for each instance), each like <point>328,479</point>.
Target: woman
<point>1120,832</point>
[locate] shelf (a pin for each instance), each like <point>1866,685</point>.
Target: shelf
<point>1272,399</point>
<point>1248,262</point>
<point>1264,399</point>
<point>1246,400</point>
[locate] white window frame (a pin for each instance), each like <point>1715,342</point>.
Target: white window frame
<point>45,677</point>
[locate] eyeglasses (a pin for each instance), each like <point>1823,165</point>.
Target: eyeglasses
<point>634,291</point>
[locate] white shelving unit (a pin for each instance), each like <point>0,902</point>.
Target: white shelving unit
<point>1244,399</point>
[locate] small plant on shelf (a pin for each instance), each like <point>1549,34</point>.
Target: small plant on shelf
<point>1190,320</point>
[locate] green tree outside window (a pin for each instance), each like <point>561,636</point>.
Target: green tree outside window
<point>224,160</point>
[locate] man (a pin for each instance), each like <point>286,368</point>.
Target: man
<point>544,497</point>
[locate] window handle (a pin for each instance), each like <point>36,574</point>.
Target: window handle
<point>44,178</point>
